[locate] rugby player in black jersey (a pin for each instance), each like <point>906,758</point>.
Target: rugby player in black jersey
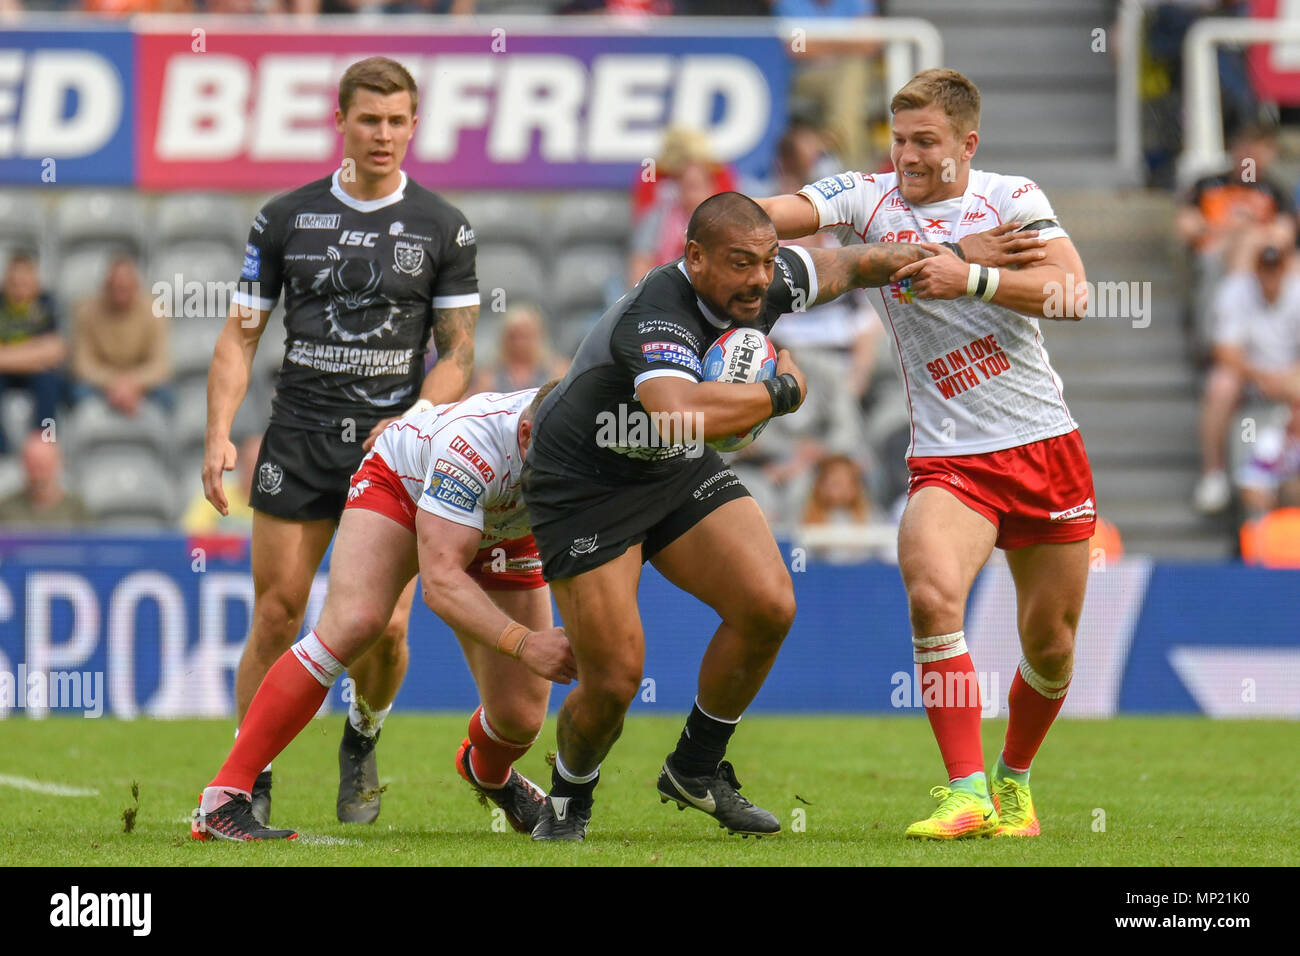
<point>605,497</point>
<point>369,263</point>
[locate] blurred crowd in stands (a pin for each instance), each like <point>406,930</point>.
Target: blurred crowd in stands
<point>708,8</point>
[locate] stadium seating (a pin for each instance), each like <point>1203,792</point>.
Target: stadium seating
<point>583,277</point>
<point>94,425</point>
<point>200,217</point>
<point>592,217</point>
<point>101,217</point>
<point>124,489</point>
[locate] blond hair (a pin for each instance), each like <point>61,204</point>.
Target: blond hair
<point>380,74</point>
<point>954,93</point>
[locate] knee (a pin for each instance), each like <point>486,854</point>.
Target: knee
<point>934,608</point>
<point>276,618</point>
<point>515,721</point>
<point>612,687</point>
<point>769,614</point>
<point>1049,649</point>
<point>391,646</point>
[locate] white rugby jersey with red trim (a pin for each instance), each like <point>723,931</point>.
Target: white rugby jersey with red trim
<point>977,375</point>
<point>461,462</point>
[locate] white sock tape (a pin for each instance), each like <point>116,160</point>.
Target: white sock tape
<point>317,660</point>
<point>940,647</point>
<point>1051,689</point>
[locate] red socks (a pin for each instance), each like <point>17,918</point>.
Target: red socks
<point>287,699</point>
<point>1034,702</point>
<point>951,696</point>
<point>492,754</point>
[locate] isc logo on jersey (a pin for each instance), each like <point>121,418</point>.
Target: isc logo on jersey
<point>355,237</point>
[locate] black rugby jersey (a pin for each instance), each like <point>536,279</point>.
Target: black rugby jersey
<point>361,279</point>
<point>659,328</point>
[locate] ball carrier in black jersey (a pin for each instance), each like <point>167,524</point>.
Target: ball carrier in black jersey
<point>369,263</point>
<point>602,505</point>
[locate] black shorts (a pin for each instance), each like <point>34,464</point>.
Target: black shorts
<point>303,475</point>
<point>580,525</point>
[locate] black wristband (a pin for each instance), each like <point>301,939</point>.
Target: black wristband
<point>956,248</point>
<point>784,390</point>
<point>983,282</point>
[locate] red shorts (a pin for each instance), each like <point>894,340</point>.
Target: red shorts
<point>1040,493</point>
<point>512,565</point>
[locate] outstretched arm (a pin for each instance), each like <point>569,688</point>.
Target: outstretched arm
<point>861,267</point>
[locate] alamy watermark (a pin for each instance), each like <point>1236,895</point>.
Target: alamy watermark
<point>951,689</point>
<point>53,690</point>
<point>650,436</point>
<point>1105,300</point>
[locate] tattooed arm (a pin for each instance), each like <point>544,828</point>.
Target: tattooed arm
<point>860,266</point>
<point>448,380</point>
<point>453,334</point>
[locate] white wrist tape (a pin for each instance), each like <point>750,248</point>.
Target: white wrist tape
<point>423,405</point>
<point>993,278</point>
<point>972,278</point>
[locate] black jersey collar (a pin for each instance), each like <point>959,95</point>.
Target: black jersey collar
<point>366,205</point>
<point>713,320</point>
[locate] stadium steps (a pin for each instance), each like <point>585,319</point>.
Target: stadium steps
<point>1048,99</point>
<point>1135,391</point>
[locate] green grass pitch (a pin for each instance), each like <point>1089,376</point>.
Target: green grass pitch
<point>1131,791</point>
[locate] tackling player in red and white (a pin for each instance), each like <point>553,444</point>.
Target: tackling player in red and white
<point>996,459</point>
<point>438,494</point>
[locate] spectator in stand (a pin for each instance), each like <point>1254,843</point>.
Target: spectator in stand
<point>660,235</point>
<point>42,501</point>
<point>839,499</point>
<point>1256,349</point>
<point>1222,209</point>
<point>524,357</point>
<point>201,518</point>
<point>1270,478</point>
<point>120,344</point>
<point>31,349</point>
<point>681,147</point>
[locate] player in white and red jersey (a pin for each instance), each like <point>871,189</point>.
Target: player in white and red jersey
<point>438,495</point>
<point>995,457</point>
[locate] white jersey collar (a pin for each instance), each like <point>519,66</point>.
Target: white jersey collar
<point>367,205</point>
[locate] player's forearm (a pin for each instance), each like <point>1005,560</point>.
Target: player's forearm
<point>453,337</point>
<point>1045,292</point>
<point>449,378</point>
<point>38,354</point>
<point>860,266</point>
<point>709,410</point>
<point>792,215</point>
<point>457,599</point>
<point>228,379</point>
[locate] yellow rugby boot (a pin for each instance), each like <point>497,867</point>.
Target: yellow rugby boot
<point>960,814</point>
<point>1016,816</point>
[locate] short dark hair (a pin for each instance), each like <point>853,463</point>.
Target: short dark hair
<point>531,411</point>
<point>721,213</point>
<point>380,74</point>
<point>20,256</point>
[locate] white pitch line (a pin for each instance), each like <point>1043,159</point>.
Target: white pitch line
<point>52,789</point>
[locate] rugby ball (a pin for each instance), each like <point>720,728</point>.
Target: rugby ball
<point>740,356</point>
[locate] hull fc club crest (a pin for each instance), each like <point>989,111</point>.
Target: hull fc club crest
<point>408,257</point>
<point>269,478</point>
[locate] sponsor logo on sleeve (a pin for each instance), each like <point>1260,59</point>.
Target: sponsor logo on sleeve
<point>786,274</point>
<point>259,222</point>
<point>674,353</point>
<point>464,236</point>
<point>1028,187</point>
<point>252,262</point>
<point>832,186</point>
<point>452,470</point>
<point>451,492</point>
<point>317,220</point>
<point>467,451</point>
<point>664,327</point>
